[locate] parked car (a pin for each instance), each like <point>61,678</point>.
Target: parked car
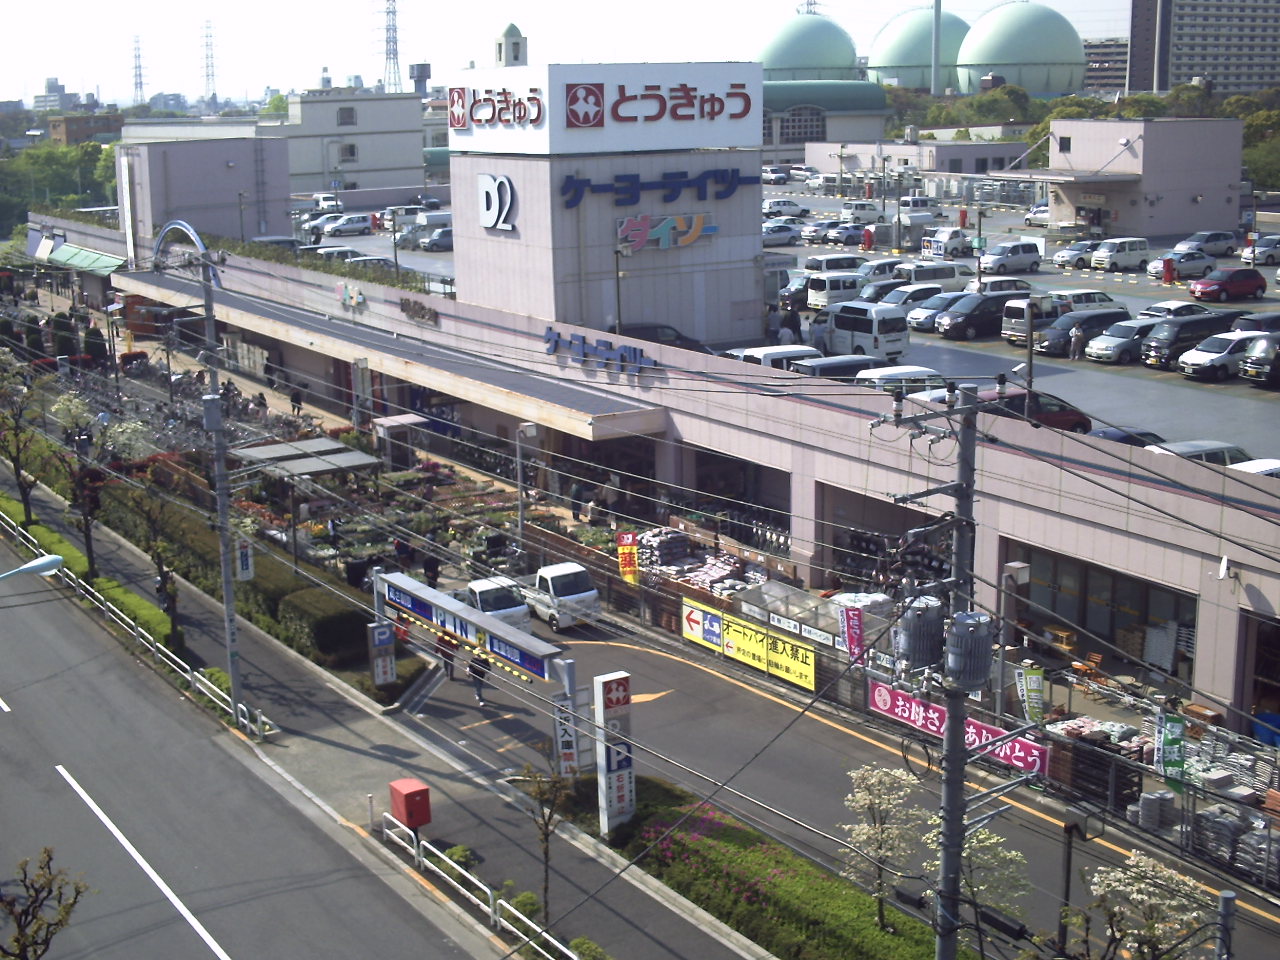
<point>1217,357</point>
<point>1121,342</point>
<point>998,285</point>
<point>795,295</point>
<point>1267,321</point>
<point>1167,309</point>
<point>663,333</point>
<point>846,233</point>
<point>1266,467</point>
<point>909,294</point>
<point>875,292</point>
<point>441,239</point>
<point>1264,251</point>
<point>1216,243</point>
<point>361,223</point>
<point>373,263</point>
<point>1170,339</point>
<point>1230,283</point>
<point>798,222</point>
<point>1186,263</point>
<point>1012,256</point>
<point>1055,339</point>
<point>774,175</point>
<point>1037,216</point>
<point>922,316</point>
<point>815,231</point>
<point>782,208</point>
<point>1076,254</point>
<point>320,222</point>
<point>975,315</point>
<point>779,234</point>
<point>1041,408</point>
<point>801,173</point>
<point>1134,436</point>
<point>1218,452</point>
<point>338,253</point>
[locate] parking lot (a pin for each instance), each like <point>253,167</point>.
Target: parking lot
<point>1163,401</point>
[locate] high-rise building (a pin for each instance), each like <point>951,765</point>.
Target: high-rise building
<point>1106,64</point>
<point>1233,44</point>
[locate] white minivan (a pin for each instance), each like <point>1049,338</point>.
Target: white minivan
<point>928,205</point>
<point>778,358</point>
<point>861,211</point>
<point>833,286</point>
<point>879,329</point>
<point>906,379</point>
<point>1121,253</point>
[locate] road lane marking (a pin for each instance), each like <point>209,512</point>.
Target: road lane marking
<point>879,745</point>
<point>130,849</point>
<point>4,707</point>
<point>646,697</point>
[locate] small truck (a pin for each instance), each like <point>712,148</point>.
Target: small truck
<point>499,597</point>
<point>561,594</point>
<point>947,242</point>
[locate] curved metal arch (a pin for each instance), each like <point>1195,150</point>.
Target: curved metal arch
<point>184,227</point>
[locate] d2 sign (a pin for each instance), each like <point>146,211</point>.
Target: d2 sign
<point>497,196</point>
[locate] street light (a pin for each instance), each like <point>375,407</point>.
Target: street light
<point>45,566</point>
<point>240,197</point>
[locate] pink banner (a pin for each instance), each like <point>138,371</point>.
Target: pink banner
<point>1020,753</point>
<point>851,627</point>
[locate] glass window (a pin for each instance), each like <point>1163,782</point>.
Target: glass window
<point>1064,144</point>
<point>347,153</point>
<point>346,116</point>
<point>803,125</point>
<point>1097,611</point>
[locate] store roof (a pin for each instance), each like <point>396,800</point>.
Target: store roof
<point>566,406</point>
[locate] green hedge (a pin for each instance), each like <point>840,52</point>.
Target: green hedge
<point>325,626</point>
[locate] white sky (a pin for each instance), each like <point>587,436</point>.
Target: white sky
<point>272,43</point>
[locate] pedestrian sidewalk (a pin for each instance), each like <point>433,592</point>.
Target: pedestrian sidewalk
<point>338,750</point>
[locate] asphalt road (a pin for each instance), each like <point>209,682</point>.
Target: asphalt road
<point>88,736</point>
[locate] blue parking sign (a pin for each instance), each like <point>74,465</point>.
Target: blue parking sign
<point>712,628</point>
<point>618,757</point>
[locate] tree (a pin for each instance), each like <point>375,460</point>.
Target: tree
<point>991,872</point>
<point>1151,912</point>
<point>152,504</point>
<point>277,104</point>
<point>549,790</point>
<point>1189,100</point>
<point>1263,162</point>
<point>887,830</point>
<point>1141,105</point>
<point>39,905</point>
<point>1241,106</point>
<point>1261,126</point>
<point>18,404</point>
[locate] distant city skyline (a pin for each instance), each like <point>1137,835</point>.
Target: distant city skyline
<point>259,46</point>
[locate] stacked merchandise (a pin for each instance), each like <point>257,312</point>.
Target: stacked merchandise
<point>668,553</point>
<point>752,574</point>
<point>1215,831</point>
<point>720,567</point>
<point>1155,810</point>
<point>877,604</point>
<point>1258,853</point>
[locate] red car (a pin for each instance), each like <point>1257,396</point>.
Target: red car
<point>1230,283</point>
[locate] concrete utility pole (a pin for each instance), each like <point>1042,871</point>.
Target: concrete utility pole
<point>213,423</point>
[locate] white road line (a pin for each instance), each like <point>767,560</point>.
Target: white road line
<point>4,707</point>
<point>130,849</point>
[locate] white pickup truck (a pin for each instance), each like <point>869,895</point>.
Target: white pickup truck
<point>947,242</point>
<point>499,597</point>
<point>562,595</point>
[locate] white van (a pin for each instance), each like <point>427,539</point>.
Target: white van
<point>879,329</point>
<point>434,218</point>
<point>1121,253</point>
<point>927,205</point>
<point>949,276</point>
<point>824,262</point>
<point>906,379</point>
<point>833,286</point>
<point>778,358</point>
<point>861,211</point>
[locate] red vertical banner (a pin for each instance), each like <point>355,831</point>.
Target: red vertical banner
<point>851,629</point>
<point>629,556</point>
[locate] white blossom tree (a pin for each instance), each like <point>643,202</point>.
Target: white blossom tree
<point>992,873</point>
<point>888,829</point>
<point>1150,912</point>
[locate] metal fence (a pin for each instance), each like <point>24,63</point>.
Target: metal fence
<point>251,721</point>
<point>501,914</point>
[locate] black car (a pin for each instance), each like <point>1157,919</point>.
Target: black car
<point>795,295</point>
<point>1267,322</point>
<point>428,203</point>
<point>974,315</point>
<point>1134,436</point>
<point>1055,339</point>
<point>874,292</point>
<point>664,334</point>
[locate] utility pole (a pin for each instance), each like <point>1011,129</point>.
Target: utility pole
<point>213,423</point>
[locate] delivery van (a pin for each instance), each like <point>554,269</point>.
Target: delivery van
<point>878,329</point>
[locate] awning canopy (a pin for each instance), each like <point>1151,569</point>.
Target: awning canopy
<point>1065,176</point>
<point>317,466</point>
<point>90,261</point>
<point>317,446</point>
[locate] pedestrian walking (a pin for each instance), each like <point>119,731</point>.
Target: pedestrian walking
<point>478,670</point>
<point>295,399</point>
<point>1077,342</point>
<point>575,500</point>
<point>772,324</point>
<point>431,571</point>
<point>790,334</point>
<point>445,650</point>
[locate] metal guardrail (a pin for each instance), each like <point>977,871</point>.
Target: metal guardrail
<point>251,721</point>
<point>502,915</point>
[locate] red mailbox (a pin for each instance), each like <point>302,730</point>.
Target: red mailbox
<point>411,802</point>
<point>964,217</point>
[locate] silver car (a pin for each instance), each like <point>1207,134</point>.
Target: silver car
<point>1264,252</point>
<point>1216,243</point>
<point>1121,342</point>
<point>1192,264</point>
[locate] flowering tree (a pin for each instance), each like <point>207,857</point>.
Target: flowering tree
<point>991,871</point>
<point>19,404</point>
<point>888,828</point>
<point>1151,912</point>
